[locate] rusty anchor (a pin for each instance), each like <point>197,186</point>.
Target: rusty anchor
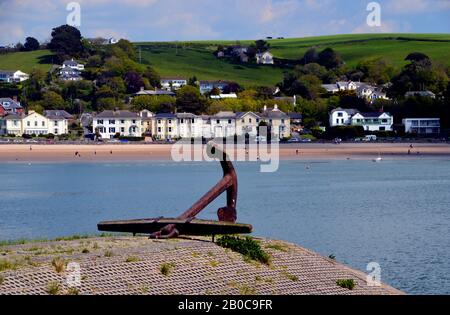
<point>187,224</point>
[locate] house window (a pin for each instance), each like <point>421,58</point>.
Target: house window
<point>282,121</point>
<point>112,122</point>
<point>257,120</point>
<point>100,121</point>
<point>122,121</point>
<point>35,123</point>
<point>243,120</point>
<point>122,129</point>
<point>250,120</point>
<point>56,131</point>
<point>170,129</point>
<point>159,121</point>
<point>112,130</point>
<point>43,124</point>
<point>218,121</point>
<point>229,121</point>
<point>134,121</point>
<point>385,121</point>
<point>182,121</point>
<point>15,123</point>
<point>170,121</point>
<point>193,121</point>
<point>159,129</point>
<point>340,115</point>
<point>56,123</point>
<point>337,121</point>
<point>382,128</point>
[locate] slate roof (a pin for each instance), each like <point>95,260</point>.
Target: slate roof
<point>57,114</point>
<point>9,103</point>
<point>117,114</point>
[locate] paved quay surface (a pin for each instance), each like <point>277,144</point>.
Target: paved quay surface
<point>138,266</point>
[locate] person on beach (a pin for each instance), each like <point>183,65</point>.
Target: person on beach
<point>31,149</point>
<point>296,152</point>
<point>76,153</point>
<point>110,152</point>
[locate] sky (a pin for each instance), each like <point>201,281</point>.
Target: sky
<point>169,20</point>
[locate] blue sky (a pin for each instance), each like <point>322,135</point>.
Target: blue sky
<point>166,20</point>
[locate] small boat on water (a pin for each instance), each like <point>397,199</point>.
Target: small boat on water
<point>378,159</point>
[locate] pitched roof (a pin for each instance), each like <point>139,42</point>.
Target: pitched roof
<point>186,116</point>
<point>70,63</point>
<point>295,116</point>
<point>274,113</point>
<point>225,115</point>
<point>9,103</point>
<point>117,114</point>
<point>349,111</point>
<point>57,114</point>
<point>373,114</point>
<point>12,117</point>
<point>242,114</point>
<point>165,116</point>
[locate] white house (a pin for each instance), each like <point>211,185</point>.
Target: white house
<point>13,76</point>
<point>173,83</point>
<point>369,121</point>
<point>223,125</point>
<point>165,126</point>
<point>73,65</point>
<point>52,122</point>
<point>422,126</point>
<point>247,123</point>
<point>371,93</point>
<point>342,117</point>
<point>189,125</point>
<point>58,121</point>
<point>111,122</point>
<point>279,123</point>
<point>208,86</point>
<point>374,121</point>
<point>265,58</point>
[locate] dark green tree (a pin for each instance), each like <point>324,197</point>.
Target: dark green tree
<point>66,42</point>
<point>31,44</point>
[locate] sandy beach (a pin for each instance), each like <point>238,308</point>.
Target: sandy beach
<point>155,152</point>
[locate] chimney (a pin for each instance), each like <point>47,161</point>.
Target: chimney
<point>265,108</point>
<point>14,98</point>
<point>275,107</point>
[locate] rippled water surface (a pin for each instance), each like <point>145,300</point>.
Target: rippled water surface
<point>396,213</point>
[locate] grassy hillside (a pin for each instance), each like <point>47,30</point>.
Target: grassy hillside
<point>195,58</point>
<point>26,61</point>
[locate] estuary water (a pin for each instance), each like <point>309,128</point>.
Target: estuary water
<point>395,213</point>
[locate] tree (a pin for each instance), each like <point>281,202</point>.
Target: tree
<point>33,86</point>
<point>66,41</point>
<point>417,56</point>
<point>262,45</point>
<point>330,59</point>
<point>107,103</point>
<point>133,81</point>
<point>190,100</point>
<point>52,100</point>
<point>376,70</point>
<point>31,44</point>
<point>128,48</point>
<point>153,77</point>
<point>310,56</point>
<point>232,87</point>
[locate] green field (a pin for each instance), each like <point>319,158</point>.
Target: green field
<point>26,61</point>
<point>195,58</point>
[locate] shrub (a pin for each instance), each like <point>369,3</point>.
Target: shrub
<point>53,288</point>
<point>132,259</point>
<point>166,268</point>
<point>346,283</point>
<point>59,264</point>
<point>245,246</point>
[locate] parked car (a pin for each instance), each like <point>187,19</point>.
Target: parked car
<point>294,140</point>
<point>260,139</point>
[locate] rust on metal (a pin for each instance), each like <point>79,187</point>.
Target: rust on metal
<point>186,223</point>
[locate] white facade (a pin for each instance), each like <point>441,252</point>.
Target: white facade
<point>13,76</point>
<point>422,126</point>
<point>369,121</point>
<point>110,123</point>
<point>247,123</point>
<point>374,121</point>
<point>73,65</point>
<point>341,117</point>
<point>265,58</point>
<point>189,125</point>
<point>223,125</point>
<point>173,83</point>
<point>36,124</point>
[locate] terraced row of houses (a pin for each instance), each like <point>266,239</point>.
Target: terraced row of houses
<point>54,122</point>
<point>169,126</point>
